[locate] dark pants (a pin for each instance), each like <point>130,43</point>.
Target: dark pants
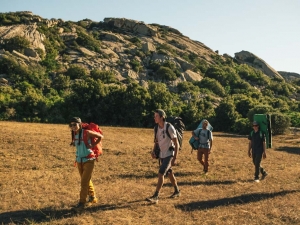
<point>256,161</point>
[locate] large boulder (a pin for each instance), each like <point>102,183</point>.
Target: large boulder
<point>29,32</point>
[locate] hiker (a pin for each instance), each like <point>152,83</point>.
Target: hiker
<point>205,138</point>
<point>85,165</point>
<point>257,149</point>
<point>168,153</point>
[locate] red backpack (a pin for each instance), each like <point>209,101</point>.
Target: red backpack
<point>97,150</point>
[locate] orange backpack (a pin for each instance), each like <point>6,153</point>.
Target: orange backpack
<point>97,150</point>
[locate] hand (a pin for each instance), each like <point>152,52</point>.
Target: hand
<point>153,155</point>
<point>196,138</point>
<point>173,162</point>
<point>264,155</point>
<point>249,153</point>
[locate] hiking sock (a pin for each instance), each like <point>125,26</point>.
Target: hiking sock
<point>156,193</point>
<point>176,188</point>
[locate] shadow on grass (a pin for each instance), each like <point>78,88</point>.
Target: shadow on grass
<point>208,182</point>
<point>238,200</point>
<point>48,215</point>
<point>150,175</point>
<point>230,135</point>
<point>293,150</point>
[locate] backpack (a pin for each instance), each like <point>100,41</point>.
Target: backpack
<point>195,143</point>
<point>179,128</point>
<point>97,150</point>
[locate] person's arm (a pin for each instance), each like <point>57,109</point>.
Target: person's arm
<point>249,149</point>
<point>211,141</point>
<point>92,134</point>
<point>194,135</point>
<point>175,141</point>
<point>264,150</point>
<point>153,151</point>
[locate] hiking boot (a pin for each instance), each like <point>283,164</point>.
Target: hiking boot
<point>264,175</point>
<point>79,207</point>
<point>92,200</point>
<point>176,194</point>
<point>153,199</point>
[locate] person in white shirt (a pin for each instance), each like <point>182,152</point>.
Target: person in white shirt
<point>167,155</point>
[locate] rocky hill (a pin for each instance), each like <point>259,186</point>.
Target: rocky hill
<point>124,46</point>
<point>51,69</point>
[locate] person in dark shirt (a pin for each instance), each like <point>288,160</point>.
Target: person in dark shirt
<point>257,150</point>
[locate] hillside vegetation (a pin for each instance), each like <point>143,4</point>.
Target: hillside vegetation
<point>118,71</point>
<point>39,183</point>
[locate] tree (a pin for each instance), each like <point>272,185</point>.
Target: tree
<point>279,123</point>
<point>225,116</point>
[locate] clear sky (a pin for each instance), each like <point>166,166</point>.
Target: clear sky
<point>269,29</point>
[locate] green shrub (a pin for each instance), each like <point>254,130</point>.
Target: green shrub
<point>242,126</point>
<point>166,74</point>
<point>279,123</point>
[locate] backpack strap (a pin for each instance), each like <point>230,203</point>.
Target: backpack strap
<point>167,130</point>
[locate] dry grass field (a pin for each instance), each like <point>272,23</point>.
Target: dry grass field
<point>39,183</point>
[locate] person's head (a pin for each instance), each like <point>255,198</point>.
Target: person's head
<point>75,123</point>
<point>255,125</point>
<point>159,115</point>
<point>204,124</point>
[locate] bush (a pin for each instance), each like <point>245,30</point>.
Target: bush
<point>166,73</point>
<point>241,126</point>
<point>17,43</point>
<point>76,72</point>
<point>279,123</point>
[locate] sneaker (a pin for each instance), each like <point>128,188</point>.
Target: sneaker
<point>264,175</point>
<point>176,194</point>
<point>79,207</point>
<point>92,200</point>
<point>256,180</point>
<point>153,199</point>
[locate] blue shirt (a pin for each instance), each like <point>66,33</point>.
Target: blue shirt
<point>81,150</point>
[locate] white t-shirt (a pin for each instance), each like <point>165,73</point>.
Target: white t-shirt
<point>164,141</point>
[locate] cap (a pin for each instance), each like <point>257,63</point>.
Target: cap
<point>255,123</point>
<point>76,120</point>
<point>161,113</point>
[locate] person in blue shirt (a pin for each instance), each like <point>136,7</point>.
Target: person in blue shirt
<point>205,138</point>
<point>85,160</point>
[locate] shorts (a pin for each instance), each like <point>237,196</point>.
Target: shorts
<point>165,167</point>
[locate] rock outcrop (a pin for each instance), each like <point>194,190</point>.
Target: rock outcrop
<point>27,31</point>
<point>256,62</point>
<point>289,75</point>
